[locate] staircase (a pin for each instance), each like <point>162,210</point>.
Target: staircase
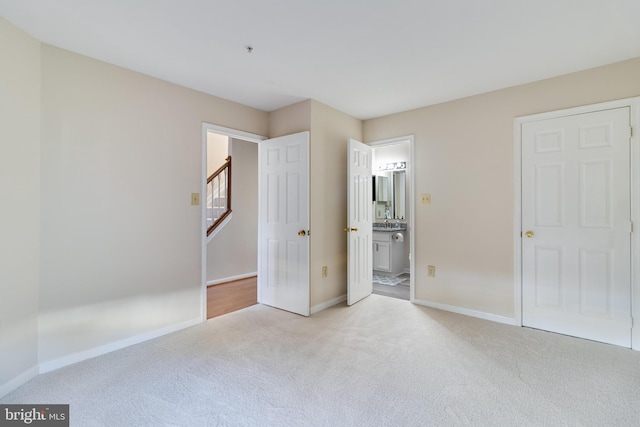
<point>219,196</point>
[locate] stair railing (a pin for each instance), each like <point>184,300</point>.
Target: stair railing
<point>219,196</point>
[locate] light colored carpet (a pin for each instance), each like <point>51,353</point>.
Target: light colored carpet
<point>382,362</point>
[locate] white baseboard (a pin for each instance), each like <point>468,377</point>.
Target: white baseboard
<point>232,278</point>
<point>468,312</point>
<point>107,348</point>
<point>18,381</point>
<point>327,304</point>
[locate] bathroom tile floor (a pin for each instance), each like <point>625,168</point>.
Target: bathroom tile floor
<point>390,280</point>
<point>394,287</point>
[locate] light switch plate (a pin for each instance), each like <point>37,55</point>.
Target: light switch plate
<point>195,199</point>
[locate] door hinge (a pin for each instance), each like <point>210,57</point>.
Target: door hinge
<point>630,226</point>
<point>632,322</point>
<point>630,131</point>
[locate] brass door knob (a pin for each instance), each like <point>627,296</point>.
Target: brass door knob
<point>302,233</point>
<point>529,234</point>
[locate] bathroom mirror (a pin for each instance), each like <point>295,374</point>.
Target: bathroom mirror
<point>390,195</point>
<point>382,188</point>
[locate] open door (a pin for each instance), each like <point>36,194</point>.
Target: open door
<point>359,222</point>
<point>283,224</point>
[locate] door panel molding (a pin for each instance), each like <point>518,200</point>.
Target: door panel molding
<point>359,222</point>
<point>591,136</point>
<point>283,221</point>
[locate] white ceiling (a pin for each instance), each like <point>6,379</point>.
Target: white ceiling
<point>367,58</point>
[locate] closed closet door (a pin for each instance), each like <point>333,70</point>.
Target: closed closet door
<point>576,244</point>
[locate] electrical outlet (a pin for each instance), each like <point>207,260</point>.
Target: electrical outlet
<point>195,199</point>
<point>325,271</point>
<point>426,199</point>
<point>431,271</point>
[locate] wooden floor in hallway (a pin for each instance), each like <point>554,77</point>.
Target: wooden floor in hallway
<point>226,297</point>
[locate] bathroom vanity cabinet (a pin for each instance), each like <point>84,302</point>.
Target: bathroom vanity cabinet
<point>387,253</point>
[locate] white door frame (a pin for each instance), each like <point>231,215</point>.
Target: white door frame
<point>634,106</point>
<point>231,133</point>
<point>411,197</point>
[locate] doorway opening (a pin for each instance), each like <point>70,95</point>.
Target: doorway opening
<point>229,254</point>
<point>393,217</point>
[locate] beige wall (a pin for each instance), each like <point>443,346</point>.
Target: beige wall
<point>234,250</point>
<point>330,133</point>
<point>121,154</point>
<point>20,201</point>
<point>291,119</point>
<point>217,151</point>
<point>464,155</point>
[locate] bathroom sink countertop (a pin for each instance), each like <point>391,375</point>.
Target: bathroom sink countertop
<point>400,227</point>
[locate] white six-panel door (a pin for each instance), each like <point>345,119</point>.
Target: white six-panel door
<point>359,222</point>
<point>283,225</point>
<point>576,226</point>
